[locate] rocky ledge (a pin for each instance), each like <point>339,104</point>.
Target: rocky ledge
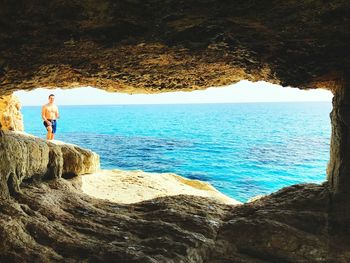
<point>126,187</point>
<point>25,158</point>
<point>55,222</point>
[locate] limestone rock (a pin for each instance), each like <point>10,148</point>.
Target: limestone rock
<point>53,222</point>
<point>25,157</point>
<point>152,46</point>
<point>287,226</point>
<point>76,160</point>
<point>125,187</point>
<point>10,114</point>
<point>22,157</point>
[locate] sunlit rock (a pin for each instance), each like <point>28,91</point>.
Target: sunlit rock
<point>10,116</point>
<point>27,158</point>
<point>76,160</point>
<point>129,187</point>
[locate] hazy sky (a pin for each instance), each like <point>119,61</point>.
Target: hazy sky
<point>243,91</point>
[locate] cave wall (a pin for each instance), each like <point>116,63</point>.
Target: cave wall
<point>153,46</point>
<point>338,169</point>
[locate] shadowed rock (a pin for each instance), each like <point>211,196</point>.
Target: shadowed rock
<point>53,222</point>
<point>154,46</point>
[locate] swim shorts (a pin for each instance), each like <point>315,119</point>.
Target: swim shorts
<point>53,124</point>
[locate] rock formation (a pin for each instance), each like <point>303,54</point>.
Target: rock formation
<point>52,222</point>
<point>154,46</point>
<point>150,46</point>
<point>27,158</point>
<point>127,187</point>
<point>10,115</point>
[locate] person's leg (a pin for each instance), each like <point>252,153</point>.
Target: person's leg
<point>54,124</point>
<point>49,132</point>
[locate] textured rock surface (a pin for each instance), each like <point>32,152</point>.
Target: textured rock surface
<point>76,160</point>
<point>10,115</point>
<point>288,226</point>
<point>339,166</point>
<point>126,187</point>
<point>154,46</point>
<point>24,157</point>
<point>52,222</point>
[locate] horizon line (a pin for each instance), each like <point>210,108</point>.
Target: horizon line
<point>184,103</point>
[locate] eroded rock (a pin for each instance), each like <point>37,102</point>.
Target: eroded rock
<point>146,46</point>
<point>127,187</point>
<point>25,157</point>
<point>76,160</point>
<point>53,222</point>
<point>10,115</point>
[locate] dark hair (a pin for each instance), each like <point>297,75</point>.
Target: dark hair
<point>51,95</point>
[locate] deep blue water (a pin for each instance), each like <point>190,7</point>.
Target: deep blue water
<point>242,149</point>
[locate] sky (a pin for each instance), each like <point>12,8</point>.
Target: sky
<point>241,92</point>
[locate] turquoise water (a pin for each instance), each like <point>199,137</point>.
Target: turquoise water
<point>243,150</point>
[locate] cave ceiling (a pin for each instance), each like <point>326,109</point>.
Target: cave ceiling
<point>151,46</point>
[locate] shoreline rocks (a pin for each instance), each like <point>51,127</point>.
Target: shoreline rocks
<point>135,186</point>
<point>26,157</point>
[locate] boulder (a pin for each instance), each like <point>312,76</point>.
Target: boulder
<point>26,158</point>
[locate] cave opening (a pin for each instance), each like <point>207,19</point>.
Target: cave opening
<point>243,148</point>
<point>158,46</point>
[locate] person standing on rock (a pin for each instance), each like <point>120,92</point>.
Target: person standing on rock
<point>50,114</point>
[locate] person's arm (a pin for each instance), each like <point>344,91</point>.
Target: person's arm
<point>57,113</point>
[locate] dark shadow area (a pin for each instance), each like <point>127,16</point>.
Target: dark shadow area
<point>69,175</point>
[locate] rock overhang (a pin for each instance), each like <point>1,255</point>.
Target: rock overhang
<point>155,46</point>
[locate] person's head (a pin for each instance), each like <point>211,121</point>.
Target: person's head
<point>51,98</point>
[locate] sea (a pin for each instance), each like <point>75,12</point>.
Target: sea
<point>242,149</point>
